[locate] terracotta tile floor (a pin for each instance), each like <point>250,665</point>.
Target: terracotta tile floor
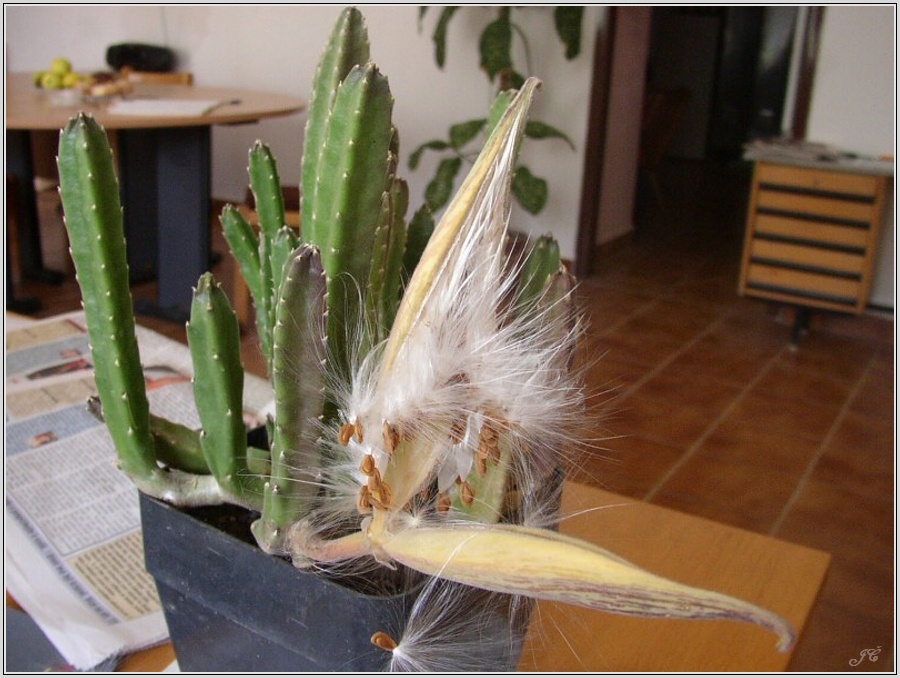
<point>711,412</point>
<point>706,409</point>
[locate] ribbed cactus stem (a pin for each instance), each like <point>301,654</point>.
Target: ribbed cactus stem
<point>385,276</point>
<point>284,243</point>
<point>266,186</point>
<point>541,263</point>
<point>178,446</point>
<point>345,212</point>
<point>215,343</point>
<point>245,246</point>
<point>93,215</point>
<point>348,46</point>
<point>298,381</point>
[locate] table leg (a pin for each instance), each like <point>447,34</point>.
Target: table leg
<point>165,195</point>
<point>139,190</point>
<point>184,189</point>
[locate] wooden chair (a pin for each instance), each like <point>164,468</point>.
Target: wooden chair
<point>291,196</point>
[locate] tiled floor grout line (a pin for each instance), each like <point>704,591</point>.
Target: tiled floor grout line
<point>826,441</point>
<point>658,485</point>
<point>668,360</point>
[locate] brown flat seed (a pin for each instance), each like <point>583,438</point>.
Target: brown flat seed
<point>466,493</point>
<point>443,503</point>
<point>384,641</point>
<point>495,454</point>
<point>480,466</point>
<point>391,437</point>
<point>345,433</point>
<point>385,494</point>
<point>364,500</point>
<point>359,431</point>
<point>458,431</point>
<point>367,466</point>
<point>374,481</point>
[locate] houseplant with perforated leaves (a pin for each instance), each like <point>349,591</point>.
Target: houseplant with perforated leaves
<point>424,398</point>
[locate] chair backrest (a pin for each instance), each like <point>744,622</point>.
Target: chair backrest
<point>174,78</point>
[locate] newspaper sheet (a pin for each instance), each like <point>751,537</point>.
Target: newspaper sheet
<point>72,542</point>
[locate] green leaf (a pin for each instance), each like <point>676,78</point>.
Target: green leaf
<point>516,80</point>
<point>423,10</point>
<point>530,191</point>
<point>438,191</point>
<point>494,46</point>
<point>440,35</point>
<point>568,26</point>
<point>434,144</point>
<point>535,129</point>
<point>463,132</point>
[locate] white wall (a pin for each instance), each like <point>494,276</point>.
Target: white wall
<point>276,48</point>
<point>853,104</point>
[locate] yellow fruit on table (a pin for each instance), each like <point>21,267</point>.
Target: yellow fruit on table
<point>60,66</point>
<point>51,80</point>
<point>36,78</point>
<point>70,80</point>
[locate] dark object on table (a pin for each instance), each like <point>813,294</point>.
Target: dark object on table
<point>140,57</point>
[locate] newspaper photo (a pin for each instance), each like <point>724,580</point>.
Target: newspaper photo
<point>73,551</point>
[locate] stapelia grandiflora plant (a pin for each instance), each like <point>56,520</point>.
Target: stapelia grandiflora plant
<point>421,410</point>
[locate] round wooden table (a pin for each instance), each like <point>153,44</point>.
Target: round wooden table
<point>164,169</point>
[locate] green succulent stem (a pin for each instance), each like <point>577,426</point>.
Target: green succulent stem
<point>90,191</point>
<point>299,384</point>
<point>218,383</point>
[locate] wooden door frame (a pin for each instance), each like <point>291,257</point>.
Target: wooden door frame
<point>592,176</point>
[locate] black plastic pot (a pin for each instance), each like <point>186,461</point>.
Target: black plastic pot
<point>230,607</point>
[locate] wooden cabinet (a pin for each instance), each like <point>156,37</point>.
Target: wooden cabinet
<point>811,236</point>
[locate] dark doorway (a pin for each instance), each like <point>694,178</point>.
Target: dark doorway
<point>735,62</point>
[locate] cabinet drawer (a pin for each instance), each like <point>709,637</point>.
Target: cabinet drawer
<point>811,231</point>
<point>803,284</point>
<point>805,257</point>
<point>817,180</point>
<point>814,206</point>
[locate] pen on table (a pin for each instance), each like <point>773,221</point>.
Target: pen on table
<point>219,104</point>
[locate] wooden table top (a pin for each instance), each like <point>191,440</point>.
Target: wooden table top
<point>28,107</point>
<point>774,574</point>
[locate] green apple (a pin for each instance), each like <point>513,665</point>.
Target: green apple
<point>71,80</point>
<point>51,80</point>
<point>60,66</point>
